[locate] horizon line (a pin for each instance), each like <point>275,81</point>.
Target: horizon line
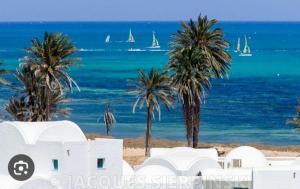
<point>95,21</point>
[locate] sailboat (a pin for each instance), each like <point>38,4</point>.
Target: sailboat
<point>246,51</point>
<point>155,44</point>
<point>107,39</point>
<point>130,37</point>
<point>238,46</point>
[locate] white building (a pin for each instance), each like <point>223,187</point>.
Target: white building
<point>244,167</point>
<point>62,155</point>
<point>65,159</point>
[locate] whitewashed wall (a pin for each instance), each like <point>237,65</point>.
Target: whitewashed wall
<point>276,178</point>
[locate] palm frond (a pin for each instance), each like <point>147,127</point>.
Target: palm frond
<point>151,89</point>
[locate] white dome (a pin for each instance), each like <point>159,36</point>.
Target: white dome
<point>154,177</point>
<point>183,163</point>
<point>250,157</point>
<point>154,170</point>
<point>32,132</point>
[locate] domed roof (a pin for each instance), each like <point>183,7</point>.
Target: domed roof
<point>152,175</point>
<point>183,163</point>
<point>250,157</point>
<point>154,170</point>
<point>32,132</point>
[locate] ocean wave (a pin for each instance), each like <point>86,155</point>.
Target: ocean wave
<point>102,90</point>
<point>91,50</point>
<point>122,50</point>
<point>159,50</point>
<point>136,50</point>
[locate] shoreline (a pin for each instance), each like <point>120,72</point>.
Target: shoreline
<point>134,148</point>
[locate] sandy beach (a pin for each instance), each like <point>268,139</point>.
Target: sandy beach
<point>134,148</point>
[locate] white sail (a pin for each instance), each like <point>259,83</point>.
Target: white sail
<point>155,43</point>
<point>107,39</point>
<point>238,46</point>
<point>246,50</point>
<point>130,37</point>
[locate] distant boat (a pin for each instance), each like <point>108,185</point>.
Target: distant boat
<point>238,46</point>
<point>130,37</point>
<point>107,39</point>
<point>155,44</point>
<point>246,51</point>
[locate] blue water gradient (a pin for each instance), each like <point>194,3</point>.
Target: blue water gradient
<point>250,106</point>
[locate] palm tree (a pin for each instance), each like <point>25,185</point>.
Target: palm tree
<point>50,60</point>
<point>2,72</point>
<point>151,89</point>
<point>44,77</point>
<point>29,103</point>
<point>109,119</point>
<point>189,85</point>
<point>199,54</point>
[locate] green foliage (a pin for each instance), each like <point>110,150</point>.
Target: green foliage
<point>44,78</point>
<point>198,54</point>
<point>151,90</point>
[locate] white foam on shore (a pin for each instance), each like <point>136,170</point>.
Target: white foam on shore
<point>122,50</point>
<point>91,50</point>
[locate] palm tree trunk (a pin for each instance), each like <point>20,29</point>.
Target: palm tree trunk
<point>47,104</point>
<point>196,122</point>
<point>148,131</point>
<point>107,130</point>
<point>187,113</point>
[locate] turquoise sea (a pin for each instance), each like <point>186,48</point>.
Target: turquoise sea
<point>250,106</point>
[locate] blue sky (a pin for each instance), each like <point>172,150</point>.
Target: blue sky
<point>125,10</point>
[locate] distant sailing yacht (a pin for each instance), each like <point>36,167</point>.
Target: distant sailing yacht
<point>246,51</point>
<point>238,46</point>
<point>107,39</point>
<point>155,44</point>
<point>130,37</point>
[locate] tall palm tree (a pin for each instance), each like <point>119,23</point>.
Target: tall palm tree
<point>2,72</point>
<point>151,89</point>
<point>189,85</point>
<point>198,54</point>
<point>50,60</point>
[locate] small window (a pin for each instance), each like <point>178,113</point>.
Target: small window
<point>236,163</point>
<point>55,164</point>
<point>100,163</point>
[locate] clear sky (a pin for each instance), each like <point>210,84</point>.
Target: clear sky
<point>126,10</point>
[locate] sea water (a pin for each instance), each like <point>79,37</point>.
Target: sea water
<point>252,105</point>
